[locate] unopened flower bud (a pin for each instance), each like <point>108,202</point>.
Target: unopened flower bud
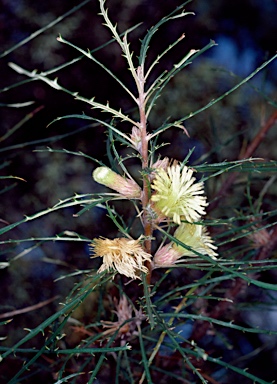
<point>159,164</point>
<point>136,138</point>
<point>196,237</point>
<point>125,186</point>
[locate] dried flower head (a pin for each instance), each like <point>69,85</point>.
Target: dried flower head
<point>124,312</point>
<point>260,236</point>
<point>177,195</point>
<point>122,255</point>
<point>125,186</point>
<point>192,235</point>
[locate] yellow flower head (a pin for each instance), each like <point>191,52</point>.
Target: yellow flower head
<point>192,235</point>
<point>177,195</point>
<point>196,237</point>
<point>122,255</point>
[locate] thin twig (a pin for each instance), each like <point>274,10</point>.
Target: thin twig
<point>19,125</point>
<point>27,309</point>
<point>244,155</point>
<point>259,137</point>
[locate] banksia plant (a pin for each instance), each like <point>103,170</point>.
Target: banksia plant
<point>143,311</point>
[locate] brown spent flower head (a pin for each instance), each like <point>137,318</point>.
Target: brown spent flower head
<point>177,195</point>
<point>125,256</point>
<point>125,186</point>
<point>260,236</point>
<point>124,312</point>
<point>192,235</point>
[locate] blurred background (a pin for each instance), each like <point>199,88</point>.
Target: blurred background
<point>245,32</point>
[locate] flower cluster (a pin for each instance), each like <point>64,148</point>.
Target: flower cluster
<point>177,196</point>
<point>122,255</point>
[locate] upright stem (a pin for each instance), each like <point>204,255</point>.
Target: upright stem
<point>144,153</point>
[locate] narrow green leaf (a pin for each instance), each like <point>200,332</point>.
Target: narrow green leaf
<point>41,30</point>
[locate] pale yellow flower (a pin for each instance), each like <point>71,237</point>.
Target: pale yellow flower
<point>192,235</point>
<point>125,186</point>
<point>177,195</point>
<point>123,255</point>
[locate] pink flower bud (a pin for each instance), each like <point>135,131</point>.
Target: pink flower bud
<point>125,186</point>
